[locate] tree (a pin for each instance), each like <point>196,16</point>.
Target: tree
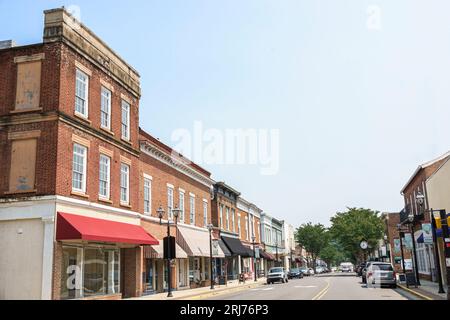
<point>313,238</point>
<point>355,225</point>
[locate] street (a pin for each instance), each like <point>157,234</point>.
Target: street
<point>334,286</point>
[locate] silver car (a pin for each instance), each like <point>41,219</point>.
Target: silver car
<point>277,274</point>
<point>382,274</point>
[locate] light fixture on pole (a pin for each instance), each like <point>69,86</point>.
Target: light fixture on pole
<point>210,228</point>
<point>411,220</point>
<point>254,256</point>
<point>170,255</point>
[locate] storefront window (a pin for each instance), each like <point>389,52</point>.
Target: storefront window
<point>89,272</point>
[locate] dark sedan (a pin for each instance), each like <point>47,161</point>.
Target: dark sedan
<point>295,273</point>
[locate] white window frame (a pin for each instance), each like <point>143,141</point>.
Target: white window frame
<point>86,98</point>
<point>83,180</point>
<point>192,209</point>
<point>102,96</point>
<point>181,195</point>
<point>221,216</point>
<point>170,201</point>
<point>147,191</point>
<point>239,224</point>
<point>246,227</point>
<point>108,177</point>
<point>127,202</point>
<point>227,217</point>
<point>233,213</point>
<point>127,135</point>
<point>205,212</point>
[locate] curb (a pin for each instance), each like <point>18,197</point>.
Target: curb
<point>420,295</point>
<point>219,291</point>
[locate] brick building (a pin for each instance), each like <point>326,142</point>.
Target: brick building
<point>81,182</point>
<point>431,180</point>
<point>168,180</point>
<point>391,221</point>
<point>69,128</point>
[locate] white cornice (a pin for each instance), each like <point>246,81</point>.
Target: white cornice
<point>165,158</point>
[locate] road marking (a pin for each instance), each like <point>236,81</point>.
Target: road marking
<point>322,292</point>
<point>305,287</point>
<point>267,289</point>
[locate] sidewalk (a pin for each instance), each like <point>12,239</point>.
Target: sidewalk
<point>427,290</point>
<point>204,292</point>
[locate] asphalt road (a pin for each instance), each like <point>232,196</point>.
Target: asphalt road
<point>336,286</point>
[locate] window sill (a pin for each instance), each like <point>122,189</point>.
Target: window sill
<point>125,205</point>
<point>79,194</point>
<point>20,192</point>
<point>126,141</point>
<point>107,130</point>
<point>25,110</point>
<point>105,200</point>
<point>83,118</point>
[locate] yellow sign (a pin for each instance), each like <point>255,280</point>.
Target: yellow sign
<point>437,218</point>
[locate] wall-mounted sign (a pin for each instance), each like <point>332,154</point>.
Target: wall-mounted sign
<point>427,233</point>
<point>408,241</point>
<point>397,248</point>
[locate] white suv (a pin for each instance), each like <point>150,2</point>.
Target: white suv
<point>277,274</point>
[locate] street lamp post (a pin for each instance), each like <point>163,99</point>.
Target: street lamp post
<point>254,257</point>
<point>411,223</point>
<point>160,211</point>
<point>400,233</point>
<point>276,250</point>
<point>210,228</point>
<point>386,247</point>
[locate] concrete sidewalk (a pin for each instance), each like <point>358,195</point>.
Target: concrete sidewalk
<point>427,290</point>
<point>204,292</point>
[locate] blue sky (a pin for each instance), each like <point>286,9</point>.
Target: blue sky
<point>357,108</point>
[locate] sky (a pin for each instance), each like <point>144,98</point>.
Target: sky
<point>357,91</point>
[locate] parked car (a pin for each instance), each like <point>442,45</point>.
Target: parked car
<point>295,273</point>
<point>277,274</point>
<point>381,273</point>
<point>311,271</point>
<point>304,271</point>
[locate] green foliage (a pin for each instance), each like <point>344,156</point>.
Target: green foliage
<point>333,254</point>
<point>353,226</point>
<point>313,238</point>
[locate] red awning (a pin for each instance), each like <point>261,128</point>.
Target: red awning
<point>76,227</point>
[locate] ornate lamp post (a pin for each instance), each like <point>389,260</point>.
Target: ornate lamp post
<point>160,211</point>
<point>411,225</point>
<point>210,228</point>
<point>254,256</point>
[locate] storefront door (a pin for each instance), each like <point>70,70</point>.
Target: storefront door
<point>149,276</point>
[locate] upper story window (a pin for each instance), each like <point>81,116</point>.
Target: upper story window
<point>239,225</point>
<point>205,213</point>
<point>220,216</point>
<point>28,83</point>
<point>170,202</point>
<point>79,168</point>
<point>104,176</point>
<point>246,227</point>
<point>232,220</point>
<point>227,217</point>
<point>125,120</point>
<point>124,183</point>
<point>105,109</point>
<point>192,209</point>
<point>181,195</point>
<point>147,195</point>
<point>81,93</point>
<point>22,172</point>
